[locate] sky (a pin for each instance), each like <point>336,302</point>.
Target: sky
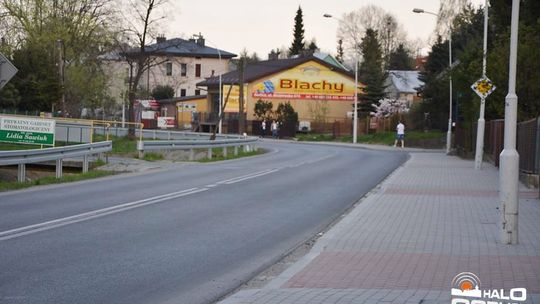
<point>260,26</point>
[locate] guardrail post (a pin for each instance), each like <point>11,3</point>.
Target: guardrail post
<point>209,153</point>
<point>191,154</point>
<point>225,152</point>
<point>255,148</point>
<point>140,147</point>
<point>154,135</point>
<point>169,135</point>
<point>235,150</point>
<point>21,173</point>
<point>58,168</point>
<point>85,164</point>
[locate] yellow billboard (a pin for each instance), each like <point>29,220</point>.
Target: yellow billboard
<point>309,80</point>
<point>233,103</point>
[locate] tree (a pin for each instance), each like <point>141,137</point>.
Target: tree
<point>298,34</point>
<point>371,71</point>
<point>36,28</point>
<point>141,24</point>
<point>312,47</point>
<point>263,109</point>
<point>9,97</point>
<point>388,107</point>
<point>400,59</point>
<point>163,92</point>
<point>355,24</point>
<point>340,52</point>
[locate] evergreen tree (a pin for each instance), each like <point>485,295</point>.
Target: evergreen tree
<point>340,51</point>
<point>298,35</point>
<point>400,59</point>
<point>371,71</point>
<point>313,46</point>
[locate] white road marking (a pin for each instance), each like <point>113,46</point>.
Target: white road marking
<point>250,177</point>
<point>18,232</point>
<point>243,177</point>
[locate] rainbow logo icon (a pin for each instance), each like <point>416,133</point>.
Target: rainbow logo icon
<point>466,284</point>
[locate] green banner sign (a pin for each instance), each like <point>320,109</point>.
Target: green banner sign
<point>27,130</point>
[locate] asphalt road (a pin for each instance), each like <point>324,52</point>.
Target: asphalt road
<point>187,234</point>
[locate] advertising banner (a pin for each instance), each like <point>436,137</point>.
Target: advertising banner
<point>233,103</point>
<point>310,80</point>
<point>27,130</point>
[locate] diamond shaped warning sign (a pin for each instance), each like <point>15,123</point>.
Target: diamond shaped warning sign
<point>483,87</point>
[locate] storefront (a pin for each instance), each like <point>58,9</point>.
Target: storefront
<point>316,89</point>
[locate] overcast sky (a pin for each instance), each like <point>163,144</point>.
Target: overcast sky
<point>260,26</point>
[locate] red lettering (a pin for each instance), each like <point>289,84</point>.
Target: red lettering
<point>285,83</point>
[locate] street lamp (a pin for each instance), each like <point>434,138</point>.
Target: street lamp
<point>449,134</point>
<point>509,157</point>
<point>355,111</point>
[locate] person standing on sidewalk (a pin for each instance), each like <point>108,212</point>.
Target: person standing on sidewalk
<point>263,127</point>
<point>274,129</point>
<point>400,135</point>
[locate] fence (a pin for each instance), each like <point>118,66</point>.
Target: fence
<point>528,142</point>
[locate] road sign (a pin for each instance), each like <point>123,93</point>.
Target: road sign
<point>483,87</point>
<point>27,130</point>
<point>7,70</point>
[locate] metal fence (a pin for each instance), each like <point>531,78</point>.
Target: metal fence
<point>528,142</point>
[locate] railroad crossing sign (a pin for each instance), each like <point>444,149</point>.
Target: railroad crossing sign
<point>483,87</point>
<point>7,70</point>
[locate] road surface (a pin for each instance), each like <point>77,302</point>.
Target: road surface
<point>189,233</point>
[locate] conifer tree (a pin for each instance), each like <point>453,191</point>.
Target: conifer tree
<point>371,71</point>
<point>298,34</point>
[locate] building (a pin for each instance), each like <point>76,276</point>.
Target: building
<point>177,62</point>
<point>312,85</point>
<point>403,85</point>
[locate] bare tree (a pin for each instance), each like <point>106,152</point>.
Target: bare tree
<point>448,10</point>
<point>141,20</point>
<point>354,25</point>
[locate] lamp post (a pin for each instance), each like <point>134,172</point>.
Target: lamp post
<point>509,157</point>
<point>355,111</point>
<point>479,153</point>
<point>449,133</point>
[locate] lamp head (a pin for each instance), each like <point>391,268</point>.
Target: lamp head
<point>327,16</point>
<point>418,10</point>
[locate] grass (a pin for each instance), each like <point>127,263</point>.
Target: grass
<point>217,155</point>
<point>121,145</point>
<point>6,186</point>
<point>12,146</point>
<point>381,138</point>
<point>152,156</point>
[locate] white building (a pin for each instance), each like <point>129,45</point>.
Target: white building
<point>403,85</point>
<point>181,65</point>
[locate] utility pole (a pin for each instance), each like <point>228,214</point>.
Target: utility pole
<point>241,118</point>
<point>60,47</point>
<point>509,158</point>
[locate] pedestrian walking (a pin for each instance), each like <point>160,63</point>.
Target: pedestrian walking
<point>274,128</point>
<point>400,134</point>
<point>263,127</point>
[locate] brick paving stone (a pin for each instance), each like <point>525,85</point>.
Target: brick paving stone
<point>434,217</point>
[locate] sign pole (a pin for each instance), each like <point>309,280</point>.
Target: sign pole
<point>509,158</point>
<point>481,121</point>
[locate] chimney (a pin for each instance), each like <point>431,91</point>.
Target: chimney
<point>161,39</point>
<point>200,40</point>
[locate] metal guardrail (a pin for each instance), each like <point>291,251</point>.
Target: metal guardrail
<point>23,157</point>
<point>235,141</point>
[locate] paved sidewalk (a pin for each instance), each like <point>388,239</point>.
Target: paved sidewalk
<point>431,219</point>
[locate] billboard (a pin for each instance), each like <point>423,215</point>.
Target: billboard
<point>310,80</point>
<point>27,130</point>
<point>233,103</point>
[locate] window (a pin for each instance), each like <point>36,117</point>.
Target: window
<point>183,69</point>
<point>182,92</point>
<point>168,67</point>
<point>198,70</point>
<point>197,92</point>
